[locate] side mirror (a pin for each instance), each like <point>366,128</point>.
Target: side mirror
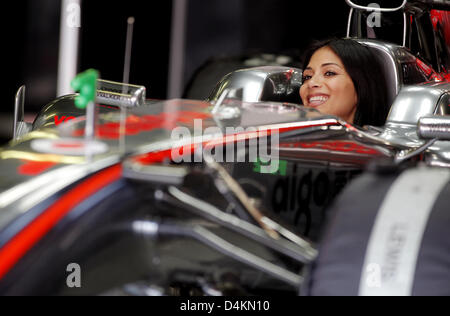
<point>430,129</point>
<point>120,94</point>
<point>20,126</point>
<point>260,84</point>
<point>434,127</point>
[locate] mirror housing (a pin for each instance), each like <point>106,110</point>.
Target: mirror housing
<point>261,84</point>
<point>20,126</point>
<point>120,94</point>
<point>434,127</point>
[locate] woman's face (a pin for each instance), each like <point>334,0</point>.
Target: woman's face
<point>328,87</point>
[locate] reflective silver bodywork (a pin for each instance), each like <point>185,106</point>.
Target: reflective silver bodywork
<point>261,84</point>
<point>120,94</point>
<point>306,137</point>
<point>413,103</point>
<point>393,56</point>
<point>417,101</point>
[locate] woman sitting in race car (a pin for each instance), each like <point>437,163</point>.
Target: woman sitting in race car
<point>342,77</point>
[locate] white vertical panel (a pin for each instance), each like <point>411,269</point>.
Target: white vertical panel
<point>68,44</point>
<point>396,238</point>
<point>177,47</point>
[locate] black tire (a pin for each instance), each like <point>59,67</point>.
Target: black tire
<point>362,219</point>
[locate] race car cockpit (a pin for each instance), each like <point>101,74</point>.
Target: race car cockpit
<point>281,84</point>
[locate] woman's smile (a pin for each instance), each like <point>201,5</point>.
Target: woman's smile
<point>316,100</point>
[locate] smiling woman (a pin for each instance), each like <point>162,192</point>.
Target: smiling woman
<point>341,77</point>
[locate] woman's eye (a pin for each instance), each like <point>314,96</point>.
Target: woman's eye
<point>306,78</point>
<point>330,74</point>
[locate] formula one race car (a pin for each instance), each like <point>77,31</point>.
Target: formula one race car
<point>231,195</point>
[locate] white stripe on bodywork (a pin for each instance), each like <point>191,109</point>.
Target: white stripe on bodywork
<point>396,238</point>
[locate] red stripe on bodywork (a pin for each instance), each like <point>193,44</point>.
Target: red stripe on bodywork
<point>171,154</point>
<point>17,247</point>
<point>34,168</point>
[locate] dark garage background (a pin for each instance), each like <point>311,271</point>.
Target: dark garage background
<point>213,28</point>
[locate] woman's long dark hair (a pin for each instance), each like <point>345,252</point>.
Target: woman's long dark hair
<point>367,76</point>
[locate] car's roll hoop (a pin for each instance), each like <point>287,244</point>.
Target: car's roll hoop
<point>360,7</point>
